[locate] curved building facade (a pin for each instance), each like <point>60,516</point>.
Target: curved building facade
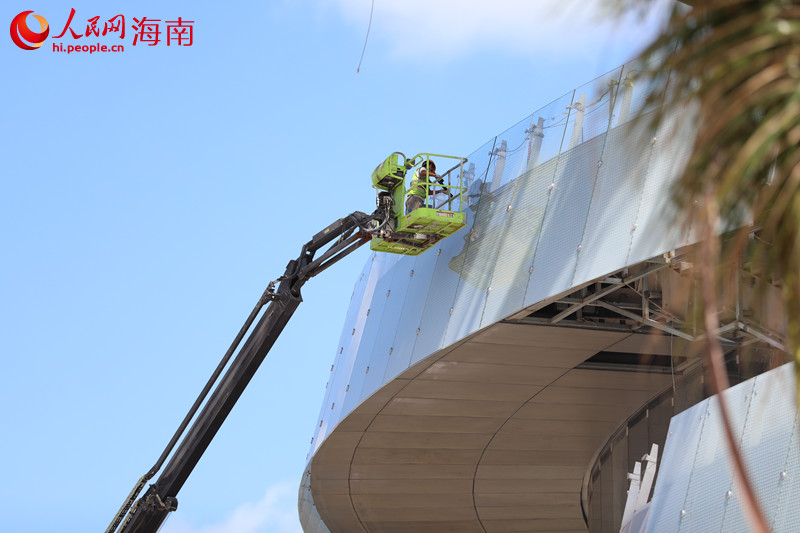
<point>479,386</point>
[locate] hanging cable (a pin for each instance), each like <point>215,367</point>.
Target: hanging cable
<point>366,38</point>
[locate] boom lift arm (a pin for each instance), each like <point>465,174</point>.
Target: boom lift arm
<point>388,229</point>
<point>151,510</point>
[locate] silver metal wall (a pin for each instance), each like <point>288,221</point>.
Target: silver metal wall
<point>550,207</point>
<point>695,491</point>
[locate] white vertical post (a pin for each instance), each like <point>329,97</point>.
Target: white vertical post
<point>535,143</point>
<point>627,98</point>
<point>649,475</point>
<point>469,180</point>
<point>577,129</point>
<point>469,175</point>
<point>499,166</point>
<point>633,493</point>
<point>640,487</point>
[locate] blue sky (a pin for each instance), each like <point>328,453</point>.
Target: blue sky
<point>150,195</point>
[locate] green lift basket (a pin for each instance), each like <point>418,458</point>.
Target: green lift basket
<point>441,214</point>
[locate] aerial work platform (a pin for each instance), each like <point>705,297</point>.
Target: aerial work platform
<point>441,213</point>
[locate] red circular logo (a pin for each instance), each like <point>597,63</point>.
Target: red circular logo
<point>21,34</point>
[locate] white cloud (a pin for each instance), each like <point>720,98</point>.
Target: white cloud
<point>276,512</point>
<point>448,29</point>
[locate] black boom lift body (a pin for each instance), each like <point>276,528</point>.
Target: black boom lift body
<point>389,229</point>
<point>150,511</point>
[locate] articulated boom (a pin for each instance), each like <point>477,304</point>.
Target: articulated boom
<point>390,231</point>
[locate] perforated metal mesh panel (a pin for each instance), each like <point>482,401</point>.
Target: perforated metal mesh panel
<point>766,442</point>
<point>348,348</point>
<point>696,492</point>
<point>565,219</point>
<point>787,514</point>
<point>677,461</point>
<point>517,243</point>
<point>615,201</point>
<point>708,499</point>
<point>405,334</point>
<point>655,222</point>
<point>391,301</point>
<point>363,321</point>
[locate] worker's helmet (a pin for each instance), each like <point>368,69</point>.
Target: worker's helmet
<point>430,165</point>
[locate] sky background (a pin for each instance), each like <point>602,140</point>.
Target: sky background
<point>149,196</point>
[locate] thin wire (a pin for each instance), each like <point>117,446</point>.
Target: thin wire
<point>366,38</point>
<point>559,123</point>
<point>515,150</point>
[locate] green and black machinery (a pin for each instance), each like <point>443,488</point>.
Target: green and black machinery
<point>389,229</point>
<point>441,213</point>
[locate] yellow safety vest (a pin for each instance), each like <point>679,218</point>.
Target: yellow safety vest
<point>417,188</point>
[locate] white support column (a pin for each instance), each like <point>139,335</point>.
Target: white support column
<point>535,136</point>
<point>499,166</point>
<point>469,181</point>
<point>627,98</point>
<point>577,129</point>
<point>469,174</point>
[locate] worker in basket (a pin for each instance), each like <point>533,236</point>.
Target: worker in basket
<point>426,173</point>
